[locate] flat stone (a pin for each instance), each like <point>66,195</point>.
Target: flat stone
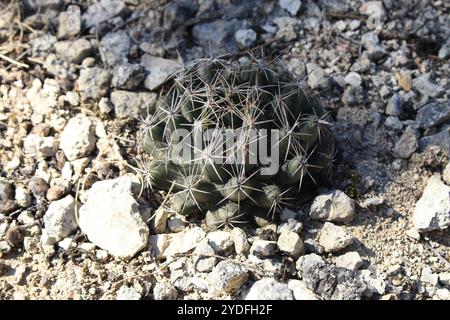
<point>59,219</point>
<point>128,293</point>
<point>334,238</point>
<point>291,6</point>
<point>128,76</point>
<point>74,51</point>
<point>433,114</point>
<point>102,11</point>
<point>239,237</point>
<point>133,104</point>
<point>220,241</point>
<point>203,257</point>
<point>114,48</point>
<point>350,260</point>
<point>39,147</point>
<point>427,87</point>
<point>407,144</point>
<point>111,219</point>
<point>333,206</point>
<point>432,211</point>
<point>93,83</point>
<point>395,105</point>
<point>226,277</point>
<point>159,70</point>
<point>245,38</point>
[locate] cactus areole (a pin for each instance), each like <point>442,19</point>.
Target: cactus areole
<point>235,140</point>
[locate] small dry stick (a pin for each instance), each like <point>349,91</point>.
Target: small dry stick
<point>20,64</point>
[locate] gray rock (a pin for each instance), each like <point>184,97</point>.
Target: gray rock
<point>353,96</point>
<point>133,104</point>
<point>177,13</point>
<point>395,105</point>
<point>427,87</point>
<point>102,11</point>
<point>433,114</point>
<point>263,248</point>
<point>220,241</point>
<point>350,260</point>
<point>217,35</point>
<point>407,144</point>
<point>353,79</point>
<point>269,289</point>
<point>163,291</point>
<point>203,257</point>
<point>110,217</point>
<point>317,78</point>
<point>441,139</point>
<point>333,206</point>
<point>69,22</point>
<point>291,6</point>
<point>159,70</point>
<point>93,83</point>
<point>6,190</point>
<point>373,282</point>
<point>290,243</point>
<point>393,123</point>
<point>59,219</point>
<point>372,43</point>
<point>114,48</point>
<point>227,277</point>
<point>432,211</point>
<point>128,76</point>
<point>39,147</point>
<point>328,281</point>
<point>335,6</point>
<point>444,51</point>
<point>44,5</point>
<point>334,238</point>
<point>128,293</point>
<point>176,224</point>
<point>78,137</point>
<point>42,44</point>
<point>375,9</point>
<point>290,225</point>
<point>74,51</point>
<point>245,38</point>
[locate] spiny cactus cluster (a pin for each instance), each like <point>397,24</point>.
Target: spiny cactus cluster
<point>229,113</point>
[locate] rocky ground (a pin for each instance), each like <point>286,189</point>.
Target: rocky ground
<point>75,222</point>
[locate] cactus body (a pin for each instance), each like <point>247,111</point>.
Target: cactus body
<point>223,177</point>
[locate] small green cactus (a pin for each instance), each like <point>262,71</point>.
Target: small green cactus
<point>205,137</point>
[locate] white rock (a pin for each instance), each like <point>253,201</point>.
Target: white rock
<point>226,277</point>
<point>333,206</point>
<point>269,289</point>
<point>374,284</point>
<point>159,70</point>
<point>432,211</point>
<point>443,294</point>
<point>163,291</point>
<point>353,79</point>
<point>87,246</point>
<point>59,219</point>
<point>25,217</point>
<point>291,6</point>
<point>429,277</point>
<point>66,243</point>
<point>166,245</point>
<point>350,260</point>
<point>39,147</point>
<point>78,137</point>
<point>334,238</point>
<point>128,293</point>
<point>23,197</point>
<point>300,291</point>
<point>220,241</point>
<point>290,243</point>
<point>239,237</point>
<point>413,234</point>
<point>245,38</point>
<point>446,174</point>
<point>110,217</point>
<point>263,248</point>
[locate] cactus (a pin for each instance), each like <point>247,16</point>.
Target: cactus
<point>210,167</point>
